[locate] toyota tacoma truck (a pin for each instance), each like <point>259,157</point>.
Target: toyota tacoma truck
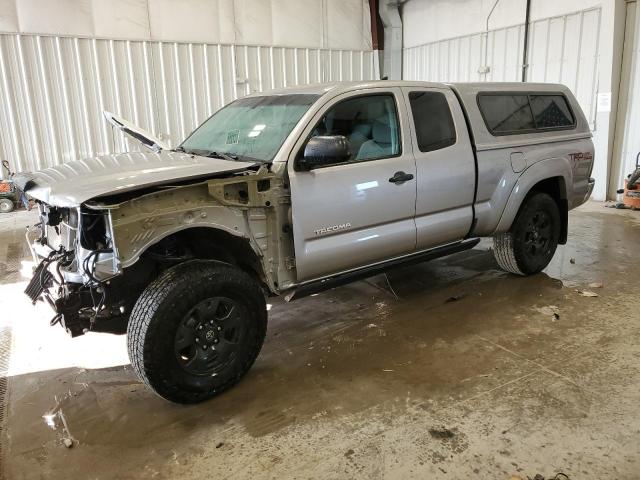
<point>292,192</point>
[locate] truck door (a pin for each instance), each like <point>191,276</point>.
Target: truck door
<point>445,166</point>
<point>361,210</point>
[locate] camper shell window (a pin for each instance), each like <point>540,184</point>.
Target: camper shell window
<point>509,113</point>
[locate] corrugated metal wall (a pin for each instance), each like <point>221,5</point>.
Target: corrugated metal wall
<point>53,89</point>
<point>562,49</point>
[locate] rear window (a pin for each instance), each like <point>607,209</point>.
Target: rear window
<point>432,120</point>
<point>551,111</point>
<point>506,114</point>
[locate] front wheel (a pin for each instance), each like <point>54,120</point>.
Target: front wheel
<point>530,244</point>
<point>196,330</point>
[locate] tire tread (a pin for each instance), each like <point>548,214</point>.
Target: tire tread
<point>504,253</point>
<point>145,309</point>
<point>505,249</point>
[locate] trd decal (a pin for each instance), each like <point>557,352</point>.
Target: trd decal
<point>576,157</point>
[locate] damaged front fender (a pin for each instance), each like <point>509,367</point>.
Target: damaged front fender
<point>253,207</point>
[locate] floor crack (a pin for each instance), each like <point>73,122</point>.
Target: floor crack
<point>540,366</point>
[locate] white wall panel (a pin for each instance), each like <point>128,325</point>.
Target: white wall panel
<point>562,49</point>
<point>347,23</point>
<point>53,89</point>
<point>288,23</point>
<point>201,16</point>
<point>297,22</point>
<point>254,29</point>
<point>52,16</point>
<point>427,21</point>
<point>121,19</point>
<point>8,16</point>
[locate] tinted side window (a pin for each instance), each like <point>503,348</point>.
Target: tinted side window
<point>370,124</point>
<point>432,119</point>
<point>551,111</point>
<point>506,113</point>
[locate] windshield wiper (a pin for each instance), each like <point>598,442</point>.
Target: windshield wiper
<point>233,157</point>
<point>207,153</point>
<point>222,155</point>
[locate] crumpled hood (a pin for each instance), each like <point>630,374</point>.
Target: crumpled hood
<point>74,183</point>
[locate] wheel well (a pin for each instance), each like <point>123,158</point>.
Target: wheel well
<point>556,188</point>
<point>208,244</point>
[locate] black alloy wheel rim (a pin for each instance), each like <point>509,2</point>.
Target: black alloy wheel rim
<point>538,236</point>
<point>210,336</point>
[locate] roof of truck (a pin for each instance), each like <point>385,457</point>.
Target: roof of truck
<point>339,87</point>
<point>507,86</point>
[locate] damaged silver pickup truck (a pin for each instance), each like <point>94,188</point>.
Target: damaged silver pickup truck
<point>292,192</point>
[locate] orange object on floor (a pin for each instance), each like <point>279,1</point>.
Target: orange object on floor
<point>631,198</point>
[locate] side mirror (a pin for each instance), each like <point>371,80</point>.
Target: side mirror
<point>324,150</point>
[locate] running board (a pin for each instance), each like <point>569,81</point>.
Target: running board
<point>318,286</point>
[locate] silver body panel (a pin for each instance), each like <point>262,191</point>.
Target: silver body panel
<point>380,214</point>
<point>71,184</point>
<point>445,182</point>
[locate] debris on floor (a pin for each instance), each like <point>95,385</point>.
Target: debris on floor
<point>539,476</point>
<point>596,285</point>
<point>618,205</point>
<point>550,310</point>
<point>393,292</point>
<point>441,433</point>
<point>587,293</point>
<point>455,298</point>
<point>572,261</point>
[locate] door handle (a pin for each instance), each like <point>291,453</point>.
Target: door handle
<point>401,177</point>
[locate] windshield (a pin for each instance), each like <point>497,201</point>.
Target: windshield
<point>251,128</point>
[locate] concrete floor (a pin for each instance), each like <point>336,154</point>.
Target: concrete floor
<point>463,372</point>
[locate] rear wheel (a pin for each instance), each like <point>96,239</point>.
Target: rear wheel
<point>196,330</point>
<point>6,205</point>
<point>530,244</point>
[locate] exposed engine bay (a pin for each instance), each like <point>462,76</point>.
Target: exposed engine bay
<point>77,273</point>
<point>93,261</point>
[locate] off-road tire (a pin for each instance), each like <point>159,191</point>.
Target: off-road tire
<point>6,205</point>
<point>509,249</point>
<point>161,308</point>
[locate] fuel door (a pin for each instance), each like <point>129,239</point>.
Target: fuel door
<point>518,162</point>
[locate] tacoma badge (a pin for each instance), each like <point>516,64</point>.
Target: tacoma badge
<point>334,228</point>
